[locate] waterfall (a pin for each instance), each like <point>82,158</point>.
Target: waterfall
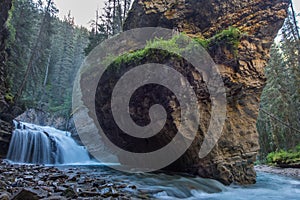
<point>44,145</point>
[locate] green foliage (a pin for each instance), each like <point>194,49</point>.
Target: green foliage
<point>203,42</point>
<point>57,51</point>
<point>257,162</point>
<point>95,39</point>
<point>229,37</point>
<point>281,95</point>
<point>62,110</point>
<point>9,25</point>
<point>172,44</point>
<point>109,23</point>
<point>284,157</point>
<point>9,97</point>
<point>177,45</point>
<point>22,34</point>
<point>298,148</point>
<point>67,54</point>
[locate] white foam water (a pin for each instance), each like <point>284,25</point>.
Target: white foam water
<point>45,145</point>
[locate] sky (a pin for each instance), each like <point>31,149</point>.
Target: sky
<point>84,10</point>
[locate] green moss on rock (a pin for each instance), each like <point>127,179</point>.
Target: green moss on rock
<point>177,44</point>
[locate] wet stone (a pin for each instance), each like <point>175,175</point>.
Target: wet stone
<point>28,194</point>
<point>55,198</point>
<point>57,176</point>
<point>28,178</point>
<point>70,193</point>
<point>4,196</point>
<point>40,182</point>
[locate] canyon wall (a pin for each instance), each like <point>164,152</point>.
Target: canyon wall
<point>5,119</point>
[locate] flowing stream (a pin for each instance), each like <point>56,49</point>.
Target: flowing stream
<point>172,187</point>
<point>45,145</point>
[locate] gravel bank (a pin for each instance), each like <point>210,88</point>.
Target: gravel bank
<point>292,172</point>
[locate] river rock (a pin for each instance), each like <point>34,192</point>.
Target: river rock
<point>55,177</point>
<point>28,194</point>
<point>55,198</point>
<point>70,193</point>
<point>4,196</point>
<point>5,137</point>
<point>232,159</point>
<point>292,172</point>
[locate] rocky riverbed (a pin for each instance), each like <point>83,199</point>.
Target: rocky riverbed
<point>292,172</point>
<point>30,182</point>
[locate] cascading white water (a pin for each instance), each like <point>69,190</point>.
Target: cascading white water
<point>44,145</point>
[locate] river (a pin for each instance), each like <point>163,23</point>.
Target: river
<point>163,186</point>
<point>48,146</point>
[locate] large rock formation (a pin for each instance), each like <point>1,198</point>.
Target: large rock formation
<point>5,119</point>
<point>232,159</point>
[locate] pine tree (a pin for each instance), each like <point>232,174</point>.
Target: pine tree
<point>52,48</point>
<point>67,54</point>
<point>279,118</point>
<point>109,23</point>
<point>24,24</point>
<point>39,50</point>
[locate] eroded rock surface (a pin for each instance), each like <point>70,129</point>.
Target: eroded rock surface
<point>232,159</point>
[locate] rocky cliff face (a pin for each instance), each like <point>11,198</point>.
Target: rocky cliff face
<point>4,8</point>
<point>233,157</point>
<point>5,121</point>
<point>39,117</point>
